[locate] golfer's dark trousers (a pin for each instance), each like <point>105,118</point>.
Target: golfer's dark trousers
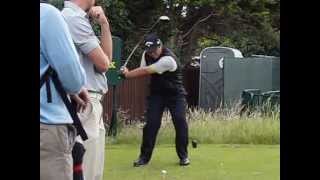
<point>156,105</point>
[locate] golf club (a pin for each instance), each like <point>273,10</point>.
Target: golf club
<point>161,18</point>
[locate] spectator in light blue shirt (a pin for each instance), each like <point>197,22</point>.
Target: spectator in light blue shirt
<point>58,51</point>
<point>57,134</point>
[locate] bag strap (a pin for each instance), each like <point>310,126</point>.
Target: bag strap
<point>71,108</point>
<point>45,77</point>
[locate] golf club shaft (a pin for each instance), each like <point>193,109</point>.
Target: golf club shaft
<point>134,49</point>
<point>137,45</point>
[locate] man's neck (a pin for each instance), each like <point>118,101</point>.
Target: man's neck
<point>162,50</point>
<point>81,5</point>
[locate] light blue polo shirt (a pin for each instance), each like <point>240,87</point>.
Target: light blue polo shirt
<point>58,51</point>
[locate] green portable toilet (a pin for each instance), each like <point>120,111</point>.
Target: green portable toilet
<point>275,70</point>
<point>211,82</point>
<point>249,73</point>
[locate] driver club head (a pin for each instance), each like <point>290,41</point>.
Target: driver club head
<point>164,18</point>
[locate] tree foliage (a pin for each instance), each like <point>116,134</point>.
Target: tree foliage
<point>252,26</point>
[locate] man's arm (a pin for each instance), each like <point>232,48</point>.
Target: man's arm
<point>98,15</point>
<point>85,39</point>
<point>102,56</point>
<point>61,53</point>
<point>166,63</point>
<point>99,59</point>
<point>106,39</point>
<point>138,72</point>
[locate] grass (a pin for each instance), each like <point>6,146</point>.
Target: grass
<point>208,162</point>
<point>231,147</point>
<point>224,127</point>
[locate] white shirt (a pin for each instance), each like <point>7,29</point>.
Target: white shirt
<point>165,63</point>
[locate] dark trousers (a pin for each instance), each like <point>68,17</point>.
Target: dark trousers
<point>156,104</point>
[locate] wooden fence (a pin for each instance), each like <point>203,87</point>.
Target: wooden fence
<point>131,95</point>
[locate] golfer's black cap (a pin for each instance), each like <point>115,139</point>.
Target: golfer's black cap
<point>151,42</point>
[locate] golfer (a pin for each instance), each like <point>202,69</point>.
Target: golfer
<point>166,91</point>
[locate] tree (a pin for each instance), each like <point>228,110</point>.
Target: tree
<point>252,26</point>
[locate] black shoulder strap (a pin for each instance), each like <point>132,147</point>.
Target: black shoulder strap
<point>71,108</point>
<point>45,77</point>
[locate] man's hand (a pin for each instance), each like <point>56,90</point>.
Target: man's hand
<point>138,72</point>
<point>82,99</point>
<point>123,72</point>
<point>96,12</point>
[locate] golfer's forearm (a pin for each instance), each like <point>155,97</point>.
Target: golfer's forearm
<point>106,40</point>
<point>139,72</point>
